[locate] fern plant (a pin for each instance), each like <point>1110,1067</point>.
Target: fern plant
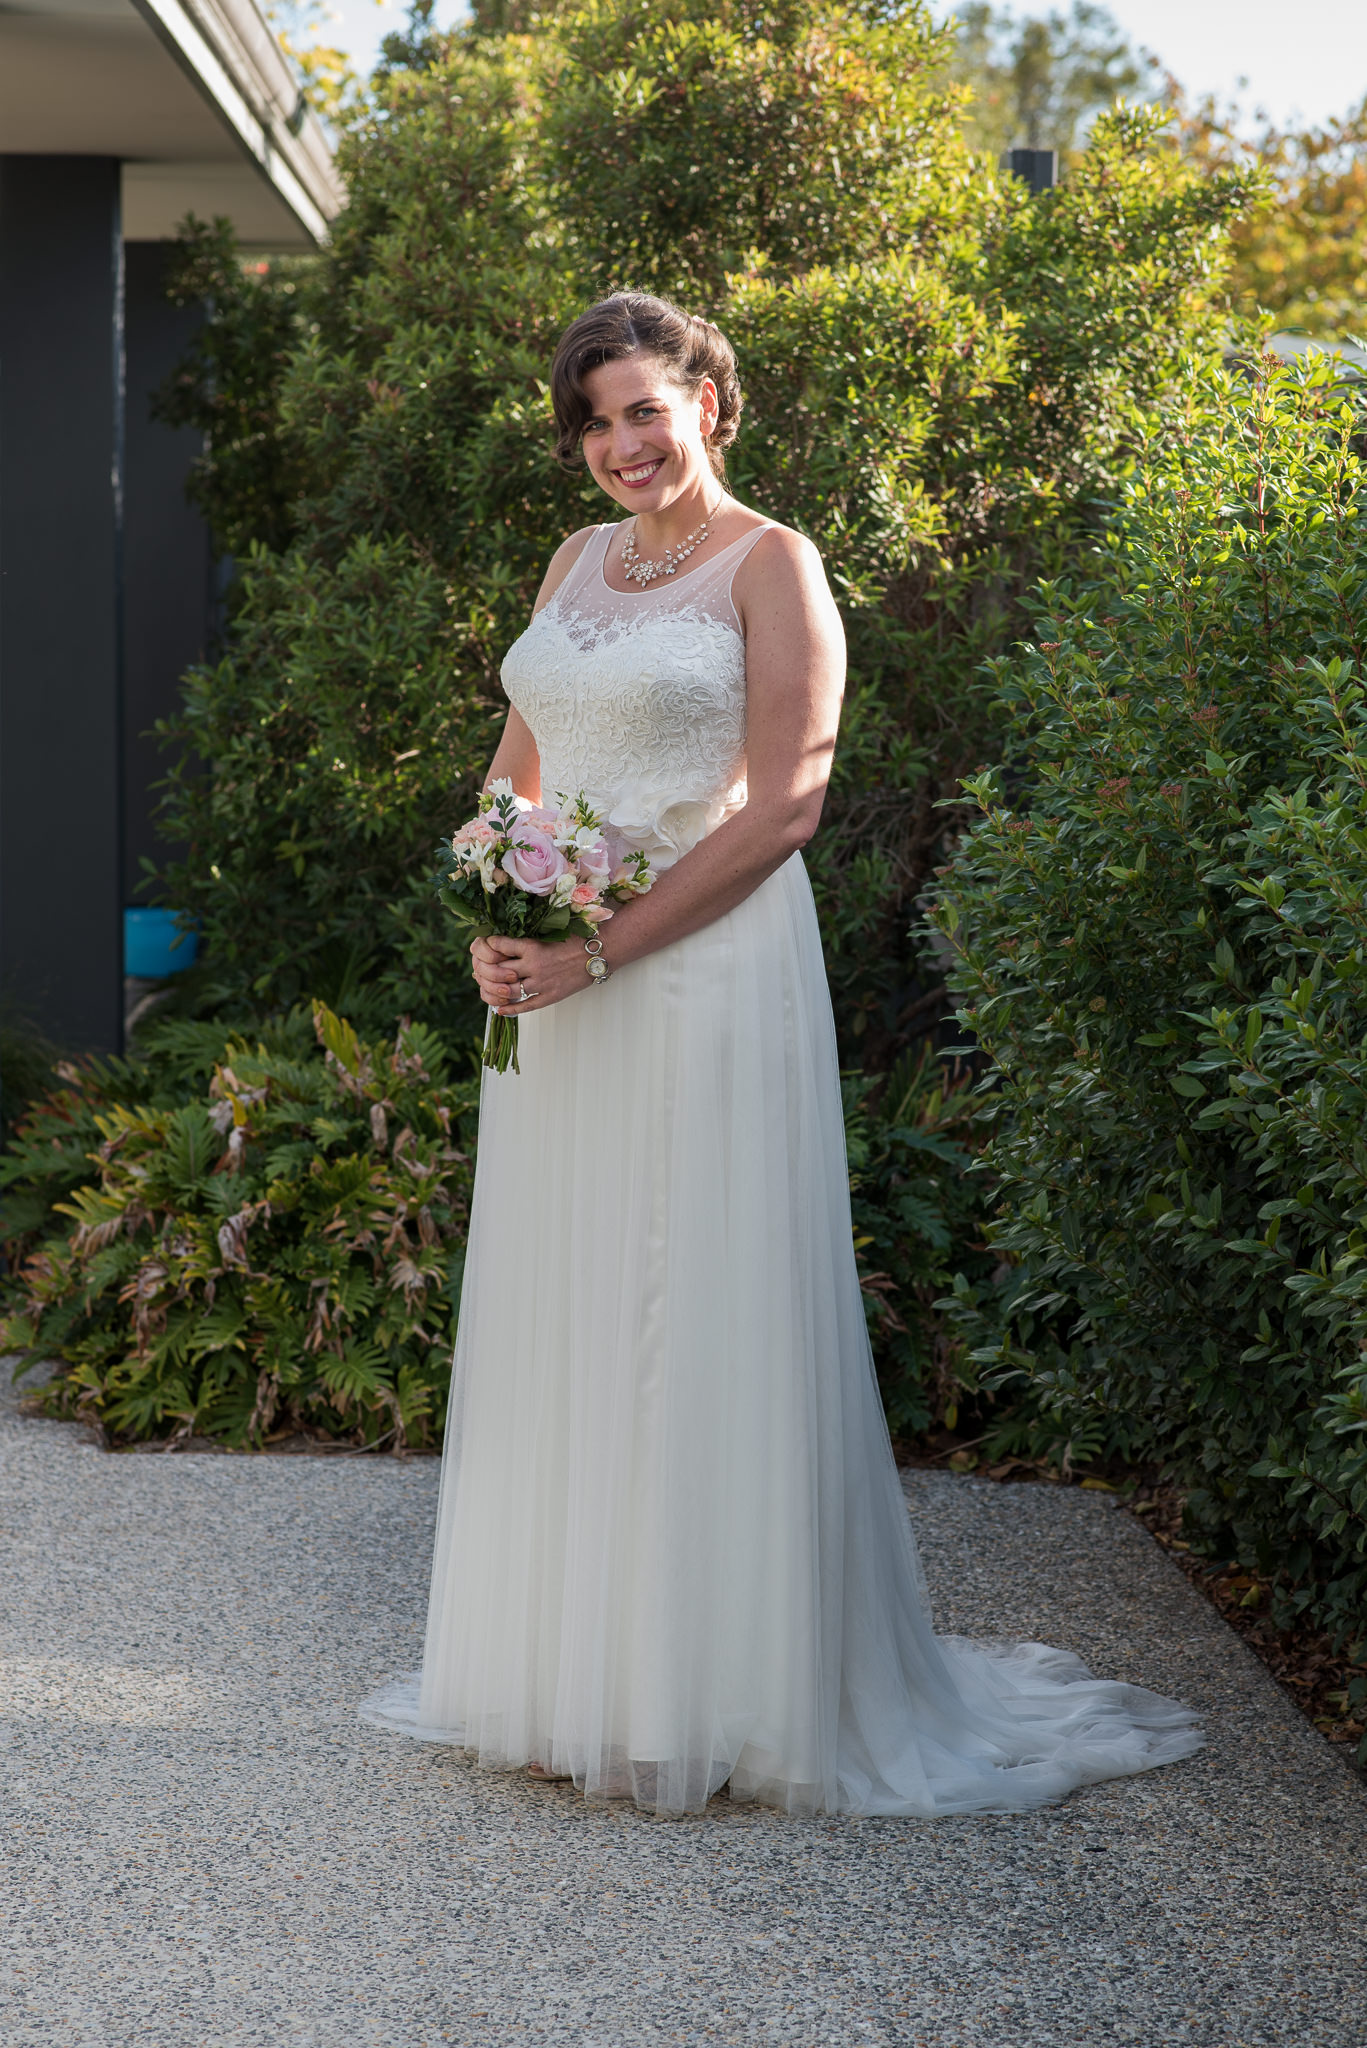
<point>275,1244</point>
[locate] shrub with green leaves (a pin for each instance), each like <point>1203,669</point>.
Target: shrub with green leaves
<point>918,1220</point>
<point>270,1243</point>
<point>940,371</point>
<point>1162,943</point>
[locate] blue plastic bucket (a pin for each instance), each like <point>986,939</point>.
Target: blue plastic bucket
<point>155,945</point>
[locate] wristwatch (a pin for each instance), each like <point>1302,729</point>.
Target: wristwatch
<point>597,965</point>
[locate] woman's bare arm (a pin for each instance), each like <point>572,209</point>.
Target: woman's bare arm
<point>516,758</point>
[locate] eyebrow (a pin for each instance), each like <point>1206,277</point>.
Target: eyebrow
<point>653,399</point>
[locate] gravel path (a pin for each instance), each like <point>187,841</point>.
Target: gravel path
<point>205,1850</point>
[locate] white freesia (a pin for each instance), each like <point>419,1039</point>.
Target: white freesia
<point>637,880</point>
<point>565,886</point>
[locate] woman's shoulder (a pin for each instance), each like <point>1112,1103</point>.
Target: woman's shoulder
<point>773,541</point>
<point>569,552</point>
<point>778,561</point>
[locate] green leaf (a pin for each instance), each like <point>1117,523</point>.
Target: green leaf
<point>339,1038</point>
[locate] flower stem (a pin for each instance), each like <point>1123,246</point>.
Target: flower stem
<point>500,1043</point>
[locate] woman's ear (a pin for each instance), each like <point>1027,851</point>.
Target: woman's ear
<point>709,408</point>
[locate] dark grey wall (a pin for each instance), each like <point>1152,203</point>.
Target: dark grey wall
<point>168,565</point>
<point>61,460</point>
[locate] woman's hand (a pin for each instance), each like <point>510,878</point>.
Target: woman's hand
<point>549,973</point>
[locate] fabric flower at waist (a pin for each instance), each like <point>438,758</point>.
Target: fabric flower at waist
<point>667,824</point>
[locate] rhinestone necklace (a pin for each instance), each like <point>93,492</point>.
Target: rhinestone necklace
<point>638,569</point>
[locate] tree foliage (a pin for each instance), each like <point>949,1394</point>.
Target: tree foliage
<point>1162,944</point>
<point>687,145</point>
<point>248,477</point>
<point>940,371</point>
<point>328,81</point>
<point>1036,82</point>
<point>1301,254</point>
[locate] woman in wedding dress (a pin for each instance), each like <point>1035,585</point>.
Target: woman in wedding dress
<point>672,1549</point>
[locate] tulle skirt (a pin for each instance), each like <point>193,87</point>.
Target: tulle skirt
<point>672,1551</point>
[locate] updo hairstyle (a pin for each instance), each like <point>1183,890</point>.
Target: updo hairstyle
<point>631,324</point>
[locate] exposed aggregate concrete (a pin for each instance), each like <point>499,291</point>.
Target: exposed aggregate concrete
<point>206,1850</point>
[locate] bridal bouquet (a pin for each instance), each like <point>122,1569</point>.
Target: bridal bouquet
<point>529,872</point>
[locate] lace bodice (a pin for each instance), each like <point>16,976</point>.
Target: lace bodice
<point>637,698</point>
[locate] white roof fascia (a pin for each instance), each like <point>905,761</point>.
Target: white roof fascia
<point>226,49</point>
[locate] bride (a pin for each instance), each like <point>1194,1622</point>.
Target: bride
<point>672,1549</point>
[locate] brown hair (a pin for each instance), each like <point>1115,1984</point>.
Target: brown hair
<point>634,323</point>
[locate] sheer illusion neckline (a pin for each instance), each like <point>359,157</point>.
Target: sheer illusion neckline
<point>669,582</point>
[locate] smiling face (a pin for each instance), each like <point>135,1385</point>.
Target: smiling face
<point>645,442</point>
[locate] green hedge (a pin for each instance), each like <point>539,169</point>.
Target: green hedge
<point>1161,924</point>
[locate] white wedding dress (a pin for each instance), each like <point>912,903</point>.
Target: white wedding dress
<point>672,1550</point>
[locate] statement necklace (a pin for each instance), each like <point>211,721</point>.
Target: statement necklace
<point>640,570</point>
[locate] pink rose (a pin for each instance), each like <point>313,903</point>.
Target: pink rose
<point>539,818</point>
<point>533,862</point>
<point>585,893</point>
<point>595,866</point>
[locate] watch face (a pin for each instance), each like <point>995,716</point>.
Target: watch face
<point>597,968</point>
